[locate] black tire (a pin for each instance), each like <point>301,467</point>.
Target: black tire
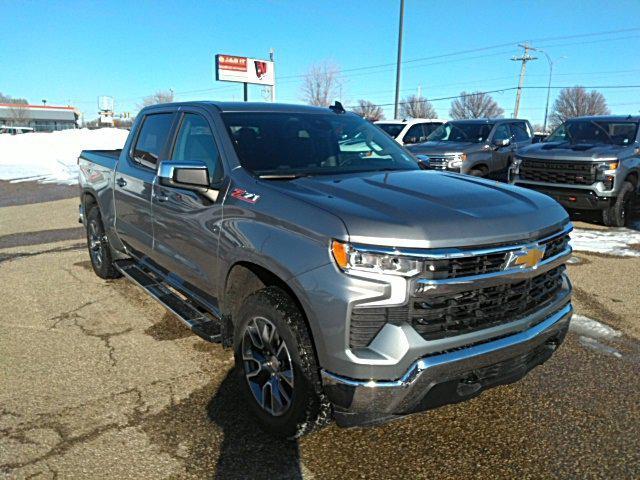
<point>476,172</point>
<point>307,407</point>
<point>98,245</point>
<point>616,215</point>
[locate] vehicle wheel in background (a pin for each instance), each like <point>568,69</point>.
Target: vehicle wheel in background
<point>98,245</point>
<point>476,172</point>
<point>616,214</point>
<point>274,355</point>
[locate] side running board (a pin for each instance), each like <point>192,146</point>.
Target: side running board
<point>200,322</point>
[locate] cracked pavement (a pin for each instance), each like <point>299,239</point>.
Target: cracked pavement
<point>98,381</point>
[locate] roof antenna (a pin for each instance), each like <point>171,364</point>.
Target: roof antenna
<point>337,107</point>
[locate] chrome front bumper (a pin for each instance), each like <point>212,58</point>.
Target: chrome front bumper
<point>448,377</point>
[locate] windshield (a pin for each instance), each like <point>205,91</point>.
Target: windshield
<point>274,144</point>
<point>392,129</point>
<point>461,132</point>
<point>590,131</point>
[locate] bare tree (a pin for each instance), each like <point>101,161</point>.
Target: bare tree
<point>576,102</point>
<point>368,110</point>
<point>9,99</point>
<point>322,84</point>
<point>161,96</point>
<point>416,106</point>
<point>18,115</point>
<point>475,105</point>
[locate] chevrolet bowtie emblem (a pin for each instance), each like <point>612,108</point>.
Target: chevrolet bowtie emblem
<point>527,257</point>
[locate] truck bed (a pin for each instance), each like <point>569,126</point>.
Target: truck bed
<point>105,158</point>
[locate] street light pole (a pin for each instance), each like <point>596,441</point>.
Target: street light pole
<point>397,102</point>
<point>546,108</point>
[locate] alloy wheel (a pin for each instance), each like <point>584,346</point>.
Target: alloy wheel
<point>96,245</point>
<point>267,366</point>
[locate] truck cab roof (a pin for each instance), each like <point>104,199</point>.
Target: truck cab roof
<point>245,106</point>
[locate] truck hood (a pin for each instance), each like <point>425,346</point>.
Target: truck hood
<point>567,151</point>
<point>426,209</point>
<point>440,148</point>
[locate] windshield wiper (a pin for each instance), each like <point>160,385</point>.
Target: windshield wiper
<point>283,176</point>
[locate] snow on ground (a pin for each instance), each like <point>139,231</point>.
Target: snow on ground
<point>52,157</point>
<point>613,241</point>
<point>591,328</point>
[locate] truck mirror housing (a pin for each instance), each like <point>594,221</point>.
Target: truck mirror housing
<point>190,175</point>
<point>501,143</point>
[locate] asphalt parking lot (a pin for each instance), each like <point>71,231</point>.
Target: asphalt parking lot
<point>98,381</point>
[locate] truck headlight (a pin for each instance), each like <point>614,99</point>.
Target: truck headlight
<point>360,259</point>
<point>605,173</point>
<point>456,163</point>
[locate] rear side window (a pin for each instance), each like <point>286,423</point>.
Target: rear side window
<point>152,138</point>
<point>195,142</point>
<point>520,131</point>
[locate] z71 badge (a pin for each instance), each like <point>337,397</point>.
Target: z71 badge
<point>242,194</point>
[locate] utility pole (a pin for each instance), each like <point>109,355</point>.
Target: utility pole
<point>524,59</point>
<point>273,87</point>
<point>400,28</point>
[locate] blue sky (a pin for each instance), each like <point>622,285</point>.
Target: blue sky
<point>66,51</point>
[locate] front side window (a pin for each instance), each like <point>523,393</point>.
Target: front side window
<point>393,129</point>
<point>461,132</point>
<point>502,132</point>
<point>415,134</point>
<point>281,144</point>
<point>520,131</point>
<point>595,132</point>
<point>195,143</point>
<point>152,138</point>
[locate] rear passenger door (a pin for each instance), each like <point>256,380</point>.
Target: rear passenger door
<point>134,178</point>
<point>187,222</point>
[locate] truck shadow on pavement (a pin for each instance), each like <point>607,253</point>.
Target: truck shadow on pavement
<point>213,434</point>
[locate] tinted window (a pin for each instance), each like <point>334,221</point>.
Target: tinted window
<point>195,142</point>
<point>153,136</point>
<point>520,131</point>
<point>600,131</point>
<point>272,143</point>
<point>392,129</point>
<point>461,132</point>
<point>415,134</point>
<point>502,132</point>
<point>429,128</point>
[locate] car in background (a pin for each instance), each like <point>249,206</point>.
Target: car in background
<point>408,132</point>
<point>6,129</point>
<point>483,147</point>
<point>587,163</point>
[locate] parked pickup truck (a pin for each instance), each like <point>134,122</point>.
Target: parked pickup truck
<point>479,147</point>
<point>587,163</point>
<point>350,283</point>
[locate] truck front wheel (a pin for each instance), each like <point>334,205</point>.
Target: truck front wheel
<point>616,214</point>
<point>98,245</point>
<point>275,358</point>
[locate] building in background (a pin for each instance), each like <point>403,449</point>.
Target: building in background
<point>39,117</point>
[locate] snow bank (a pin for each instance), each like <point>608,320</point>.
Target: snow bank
<point>613,241</point>
<point>52,157</point>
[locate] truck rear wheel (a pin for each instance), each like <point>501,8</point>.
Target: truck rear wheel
<point>98,245</point>
<point>274,355</point>
<point>616,214</point>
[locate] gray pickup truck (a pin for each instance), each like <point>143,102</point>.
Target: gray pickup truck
<point>479,147</point>
<point>349,282</point>
<point>587,163</point>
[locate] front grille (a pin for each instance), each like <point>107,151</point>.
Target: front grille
<point>555,246</point>
<point>471,310</point>
<point>439,163</point>
<point>572,173</point>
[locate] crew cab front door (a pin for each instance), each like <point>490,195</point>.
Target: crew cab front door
<point>134,177</point>
<point>187,222</point>
<point>501,154</point>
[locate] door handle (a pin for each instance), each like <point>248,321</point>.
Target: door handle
<point>161,196</point>
<point>121,182</point>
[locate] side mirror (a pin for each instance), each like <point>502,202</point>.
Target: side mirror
<point>501,143</point>
<point>189,175</point>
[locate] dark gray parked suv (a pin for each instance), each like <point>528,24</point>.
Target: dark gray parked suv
<point>587,163</point>
<point>349,282</point>
<point>479,147</point>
